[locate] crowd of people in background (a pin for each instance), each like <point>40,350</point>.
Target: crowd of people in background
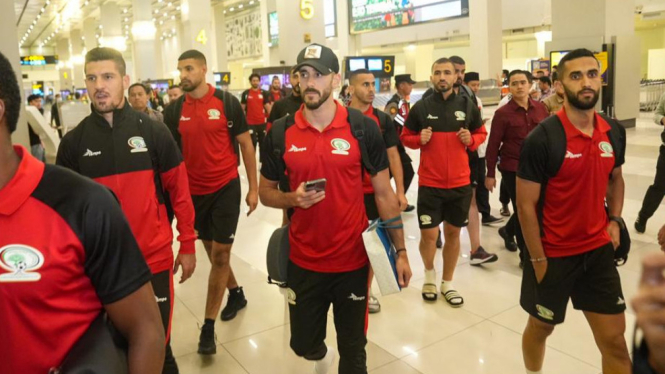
<point>185,143</point>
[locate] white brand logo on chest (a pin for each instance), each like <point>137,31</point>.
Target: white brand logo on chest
<point>570,154</point>
<point>429,116</point>
<point>341,146</point>
<point>21,261</point>
<point>296,149</point>
<point>183,118</point>
<point>89,153</point>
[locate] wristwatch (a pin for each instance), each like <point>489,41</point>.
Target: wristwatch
<point>620,221</point>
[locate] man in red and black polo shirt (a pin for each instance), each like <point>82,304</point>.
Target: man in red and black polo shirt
<point>208,135</point>
<point>328,262</point>
<point>362,87</point>
<point>443,126</point>
<point>277,92</point>
<point>67,254</point>
<point>510,126</point>
<point>570,239</point>
<point>256,104</point>
<point>136,157</point>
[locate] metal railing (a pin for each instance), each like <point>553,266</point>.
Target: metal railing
<point>650,93</point>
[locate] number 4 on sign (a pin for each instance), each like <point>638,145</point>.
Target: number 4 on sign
<point>201,37</point>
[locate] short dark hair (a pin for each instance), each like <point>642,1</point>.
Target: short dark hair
<point>10,93</point>
<point>145,88</point>
<point>275,77</point>
<point>457,60</point>
<point>442,60</point>
<point>528,76</point>
<point>574,55</point>
<point>546,80</point>
<point>106,54</point>
<point>356,73</point>
<point>34,97</point>
<point>175,86</point>
<point>254,75</point>
<point>194,54</point>
<point>555,77</point>
<point>506,72</point>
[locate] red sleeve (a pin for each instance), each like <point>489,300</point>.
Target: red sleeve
<point>268,126</point>
<point>410,138</point>
<point>477,138</point>
<point>496,137</point>
<point>176,183</point>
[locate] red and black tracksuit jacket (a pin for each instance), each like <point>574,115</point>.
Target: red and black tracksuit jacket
<point>126,156</point>
<point>444,162</point>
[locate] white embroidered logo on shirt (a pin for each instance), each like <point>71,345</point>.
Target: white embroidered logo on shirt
<point>214,114</point>
<point>89,153</point>
<point>461,116</point>
<point>183,118</point>
<point>429,116</point>
<point>137,144</point>
<point>570,154</point>
<point>296,149</point>
<point>607,149</point>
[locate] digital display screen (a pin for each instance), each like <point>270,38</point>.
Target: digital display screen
<point>38,60</point>
<point>373,15</point>
<point>374,64</point>
<point>357,63</point>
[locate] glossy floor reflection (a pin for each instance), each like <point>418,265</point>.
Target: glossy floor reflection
<point>410,336</point>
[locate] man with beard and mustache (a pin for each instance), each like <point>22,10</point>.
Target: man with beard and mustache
<point>207,123</point>
<point>328,262</point>
<point>572,253</point>
<point>510,126</point>
<point>443,126</point>
<point>256,104</point>
<point>136,157</point>
<point>362,86</point>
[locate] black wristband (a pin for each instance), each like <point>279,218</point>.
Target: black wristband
<point>400,250</point>
<point>619,220</point>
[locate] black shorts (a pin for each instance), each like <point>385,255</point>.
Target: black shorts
<point>371,209</point>
<point>310,295</point>
<point>590,279</point>
<point>474,160</point>
<point>436,205</point>
<point>217,213</point>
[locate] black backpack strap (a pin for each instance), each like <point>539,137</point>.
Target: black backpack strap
<point>384,119</point>
<point>230,114</point>
<point>617,139</point>
<point>357,120</point>
<point>556,144</point>
<point>172,119</point>
<point>278,138</point>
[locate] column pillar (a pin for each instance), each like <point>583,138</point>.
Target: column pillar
<point>112,27</point>
<point>65,66</point>
<point>9,48</point>
<point>197,30</point>
<point>220,37</point>
<point>89,34</point>
<point>598,22</point>
<point>485,34</point>
<point>77,58</point>
<point>419,59</point>
<point>147,64</point>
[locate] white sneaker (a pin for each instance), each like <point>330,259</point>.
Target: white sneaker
<point>374,305</point>
<point>323,365</point>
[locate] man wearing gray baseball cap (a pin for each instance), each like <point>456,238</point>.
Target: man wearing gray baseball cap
<point>328,262</point>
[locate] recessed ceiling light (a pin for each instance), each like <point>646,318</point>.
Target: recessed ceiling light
<point>161,22</point>
<point>173,17</point>
<point>170,4</point>
<point>240,6</point>
<point>232,9</point>
<point>177,8</point>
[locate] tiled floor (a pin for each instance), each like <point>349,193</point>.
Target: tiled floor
<point>410,336</point>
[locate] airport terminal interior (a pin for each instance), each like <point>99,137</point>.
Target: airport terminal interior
<point>47,41</point>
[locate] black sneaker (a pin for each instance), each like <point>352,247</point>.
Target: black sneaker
<point>490,220</point>
<point>505,211</point>
<point>508,242</point>
<point>481,256</point>
<point>235,303</point>
<point>207,345</point>
<point>640,225</point>
<point>409,208</point>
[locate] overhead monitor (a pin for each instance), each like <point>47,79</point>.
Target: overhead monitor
<point>373,15</point>
<point>356,64</point>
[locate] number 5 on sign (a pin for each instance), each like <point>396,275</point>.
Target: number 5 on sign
<point>306,9</point>
<point>201,37</point>
<point>387,67</point>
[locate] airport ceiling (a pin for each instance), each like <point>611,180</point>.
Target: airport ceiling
<point>42,22</point>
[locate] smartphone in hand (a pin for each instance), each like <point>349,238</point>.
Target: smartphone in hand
<point>317,185</point>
